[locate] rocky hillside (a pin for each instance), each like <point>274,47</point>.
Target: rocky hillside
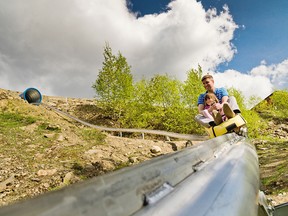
<point>42,150</point>
<point>273,161</point>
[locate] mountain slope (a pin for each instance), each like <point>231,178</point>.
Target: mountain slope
<point>42,150</point>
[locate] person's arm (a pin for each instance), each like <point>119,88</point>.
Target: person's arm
<point>200,108</point>
<point>201,103</point>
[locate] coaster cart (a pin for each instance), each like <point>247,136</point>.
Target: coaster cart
<point>236,124</point>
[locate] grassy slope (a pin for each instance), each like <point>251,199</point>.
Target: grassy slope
<point>33,139</point>
<point>41,150</point>
<point>272,148</point>
<point>29,139</point>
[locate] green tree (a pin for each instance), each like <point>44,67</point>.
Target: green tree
<point>115,81</point>
<point>278,99</point>
<point>192,87</point>
<point>239,97</point>
<point>156,103</point>
<point>164,91</point>
<point>277,104</point>
<point>114,85</point>
<point>140,111</point>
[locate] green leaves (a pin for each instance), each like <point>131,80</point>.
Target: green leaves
<point>114,83</point>
<point>193,87</point>
<point>161,102</point>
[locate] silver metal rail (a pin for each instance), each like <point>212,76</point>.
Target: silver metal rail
<point>130,130</point>
<point>217,177</point>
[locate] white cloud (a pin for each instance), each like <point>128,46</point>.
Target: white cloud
<point>248,84</point>
<point>57,46</point>
<point>260,81</point>
<point>277,73</point>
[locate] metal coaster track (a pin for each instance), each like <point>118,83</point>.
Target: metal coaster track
<point>217,177</point>
<point>120,130</point>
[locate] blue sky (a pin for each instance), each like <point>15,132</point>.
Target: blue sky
<point>262,32</point>
<point>243,44</point>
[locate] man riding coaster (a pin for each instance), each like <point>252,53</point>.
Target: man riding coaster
<point>226,104</point>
